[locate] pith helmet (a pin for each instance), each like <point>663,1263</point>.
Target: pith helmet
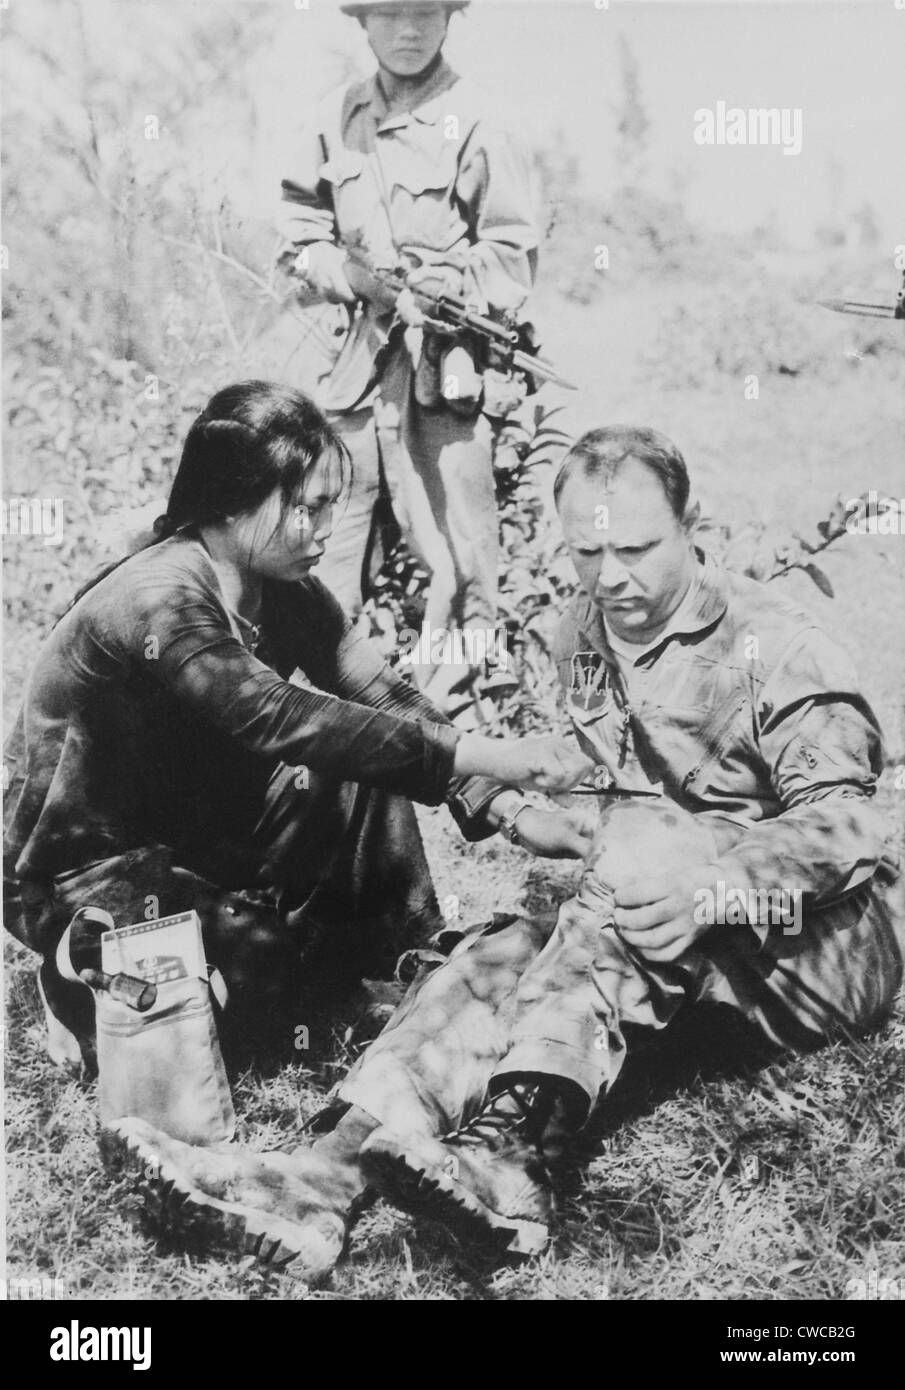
<point>360,7</point>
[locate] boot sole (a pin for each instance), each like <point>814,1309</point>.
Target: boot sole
<point>197,1219</point>
<point>402,1179</point>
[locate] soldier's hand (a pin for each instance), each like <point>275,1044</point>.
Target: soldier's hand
<point>428,279</point>
<point>557,834</point>
<point>544,764</point>
<point>408,311</point>
<point>322,266</point>
<point>436,280</point>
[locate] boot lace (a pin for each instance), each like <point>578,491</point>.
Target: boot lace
<point>518,1111</point>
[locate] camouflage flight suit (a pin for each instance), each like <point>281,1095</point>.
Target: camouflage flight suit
<point>443,185</point>
<point>750,720</point>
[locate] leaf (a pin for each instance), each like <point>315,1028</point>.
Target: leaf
<point>542,414</point>
<point>841,510</point>
<point>820,579</point>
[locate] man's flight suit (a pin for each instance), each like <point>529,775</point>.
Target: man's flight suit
<point>750,721</point>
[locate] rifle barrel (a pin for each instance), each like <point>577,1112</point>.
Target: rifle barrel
<point>538,367</point>
<point>468,319</point>
<point>860,310</point>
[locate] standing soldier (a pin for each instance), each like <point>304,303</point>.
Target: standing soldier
<point>412,172</point>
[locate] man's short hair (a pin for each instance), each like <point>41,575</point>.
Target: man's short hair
<point>601,453</point>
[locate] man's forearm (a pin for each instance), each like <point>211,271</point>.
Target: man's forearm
<point>823,848</point>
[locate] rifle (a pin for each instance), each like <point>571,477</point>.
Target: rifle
<point>868,311</point>
<point>506,344</point>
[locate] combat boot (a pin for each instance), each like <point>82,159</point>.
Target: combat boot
<point>489,1179</point>
<point>291,1213</point>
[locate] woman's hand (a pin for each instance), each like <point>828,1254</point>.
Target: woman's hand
<point>544,764</point>
<point>556,834</point>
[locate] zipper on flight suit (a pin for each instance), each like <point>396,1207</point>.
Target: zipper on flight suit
<point>716,740</point>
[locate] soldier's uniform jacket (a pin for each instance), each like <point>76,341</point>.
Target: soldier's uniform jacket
<point>444,184</point>
<point>748,711</point>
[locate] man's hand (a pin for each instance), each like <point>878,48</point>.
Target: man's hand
<point>427,279</point>
<point>437,280</point>
<point>543,764</point>
<point>322,266</point>
<point>408,310</point>
<point>557,834</point>
<point>656,915</point>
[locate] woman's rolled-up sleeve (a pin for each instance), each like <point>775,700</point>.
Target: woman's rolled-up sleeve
<point>362,675</point>
<point>185,641</point>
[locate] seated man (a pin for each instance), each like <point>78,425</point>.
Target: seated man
<point>739,858</point>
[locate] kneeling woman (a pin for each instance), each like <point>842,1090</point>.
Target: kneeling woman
<point>204,729</point>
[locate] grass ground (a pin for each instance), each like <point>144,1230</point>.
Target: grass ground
<point>715,1172</point>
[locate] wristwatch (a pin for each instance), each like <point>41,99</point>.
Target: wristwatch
<point>507,827</point>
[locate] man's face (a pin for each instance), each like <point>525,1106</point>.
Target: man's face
<point>405,39</point>
<point>634,558</point>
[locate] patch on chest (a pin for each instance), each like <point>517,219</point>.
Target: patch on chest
<point>590,684</point>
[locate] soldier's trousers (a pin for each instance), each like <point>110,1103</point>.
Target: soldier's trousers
<point>529,1000</point>
<point>436,467</point>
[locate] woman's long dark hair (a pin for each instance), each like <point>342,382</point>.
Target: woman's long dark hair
<point>249,440</point>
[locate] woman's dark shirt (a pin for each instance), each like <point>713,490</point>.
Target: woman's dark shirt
<point>147,715</point>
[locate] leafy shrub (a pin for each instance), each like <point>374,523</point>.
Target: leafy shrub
<point>778,331</point>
